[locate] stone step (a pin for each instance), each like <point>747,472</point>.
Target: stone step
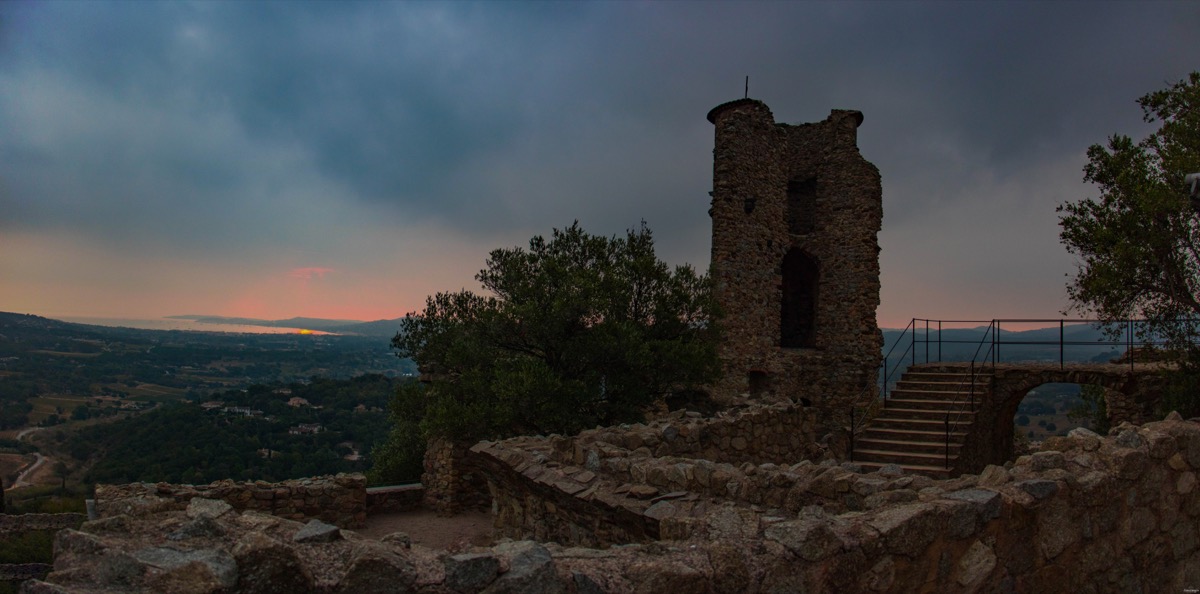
<point>919,424</point>
<point>937,472</point>
<point>902,458</point>
<point>930,376</point>
<point>906,447</point>
<point>966,416</point>
<point>910,434</point>
<point>913,402</point>
<point>939,388</point>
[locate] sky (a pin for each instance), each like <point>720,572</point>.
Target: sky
<point>345,160</point>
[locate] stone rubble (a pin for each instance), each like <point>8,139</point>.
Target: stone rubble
<point>1093,514</point>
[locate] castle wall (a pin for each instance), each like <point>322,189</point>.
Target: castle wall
<point>340,499</point>
<point>1086,514</point>
<point>793,206</point>
<point>452,481</point>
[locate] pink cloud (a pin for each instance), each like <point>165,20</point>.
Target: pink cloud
<point>309,272</point>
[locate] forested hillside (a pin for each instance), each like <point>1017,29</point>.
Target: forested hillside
<point>246,434</point>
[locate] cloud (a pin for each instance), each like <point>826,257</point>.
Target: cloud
<point>309,272</point>
<point>276,135</point>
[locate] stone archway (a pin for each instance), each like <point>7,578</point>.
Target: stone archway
<point>1131,395</point>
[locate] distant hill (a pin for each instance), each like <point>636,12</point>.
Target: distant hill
<point>1081,343</point>
<point>380,328</point>
<point>384,328</point>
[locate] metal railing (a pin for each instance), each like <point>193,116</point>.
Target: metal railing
<point>983,358</point>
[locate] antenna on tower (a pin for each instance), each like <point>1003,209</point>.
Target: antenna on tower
<point>747,95</point>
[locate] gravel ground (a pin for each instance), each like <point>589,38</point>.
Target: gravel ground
<point>426,528</point>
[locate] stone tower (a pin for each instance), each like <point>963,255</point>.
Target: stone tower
<point>796,211</point>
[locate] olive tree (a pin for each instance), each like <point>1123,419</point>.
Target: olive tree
<point>1138,242</point>
<point>575,331</point>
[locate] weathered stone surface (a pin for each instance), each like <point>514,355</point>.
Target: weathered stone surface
<point>811,539</point>
<point>906,528</point>
<point>342,499</point>
<point>530,570</point>
<point>975,565</point>
<point>200,527</point>
<point>469,572</point>
<point>266,566</point>
<point>987,503</point>
<point>377,569</point>
<point>202,507</point>
<point>1038,488</point>
<point>317,531</point>
<point>189,571</point>
<point>994,476</point>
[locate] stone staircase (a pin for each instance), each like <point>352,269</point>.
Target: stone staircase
<point>910,430</point>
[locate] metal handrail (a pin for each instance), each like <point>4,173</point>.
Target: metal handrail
<point>982,358</point>
<point>885,374</point>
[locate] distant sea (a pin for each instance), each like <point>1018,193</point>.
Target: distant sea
<point>190,325</point>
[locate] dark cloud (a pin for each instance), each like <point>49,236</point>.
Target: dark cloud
<point>222,128</point>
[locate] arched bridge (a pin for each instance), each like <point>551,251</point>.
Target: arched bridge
<point>945,419</point>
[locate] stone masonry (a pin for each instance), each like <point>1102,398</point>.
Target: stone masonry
<point>1088,513</point>
<point>340,499</point>
<point>795,258</point>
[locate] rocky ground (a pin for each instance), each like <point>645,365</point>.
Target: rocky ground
<point>426,528</point>
<point>1088,513</point>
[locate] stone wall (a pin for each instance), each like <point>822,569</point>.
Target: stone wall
<point>1087,514</point>
<point>339,499</point>
<point>451,479</point>
<point>18,523</point>
<point>1132,396</point>
<point>13,525</point>
<point>394,499</point>
<point>784,194</point>
<point>783,432</point>
<point>624,484</point>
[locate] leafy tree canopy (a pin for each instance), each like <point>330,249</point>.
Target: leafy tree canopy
<point>1138,244</point>
<point>577,330</point>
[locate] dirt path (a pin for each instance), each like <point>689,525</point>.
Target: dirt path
<point>427,529</point>
<point>23,478</point>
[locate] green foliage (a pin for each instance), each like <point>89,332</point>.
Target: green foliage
<point>184,443</point>
<point>1138,244</point>
<point>30,547</point>
<point>47,500</point>
<point>1093,408</point>
<point>399,459</point>
<point>575,331</point>
<point>1022,421</point>
<point>1183,386</point>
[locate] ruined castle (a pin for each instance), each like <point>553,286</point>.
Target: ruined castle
<point>795,257</point>
<point>749,499</point>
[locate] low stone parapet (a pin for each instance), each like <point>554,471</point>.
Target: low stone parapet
<point>339,499</point>
<point>19,523</point>
<point>1089,513</point>
<point>395,498</point>
<point>781,432</point>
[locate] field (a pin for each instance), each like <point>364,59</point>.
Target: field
<point>154,393</point>
<point>1044,411</point>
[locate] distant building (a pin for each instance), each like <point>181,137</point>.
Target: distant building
<point>244,411</point>
<point>305,429</point>
<point>296,401</point>
<point>211,404</point>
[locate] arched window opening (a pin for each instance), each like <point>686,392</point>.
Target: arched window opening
<point>801,278</point>
<point>1054,409</point>
<point>801,205</point>
<point>760,382</point>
